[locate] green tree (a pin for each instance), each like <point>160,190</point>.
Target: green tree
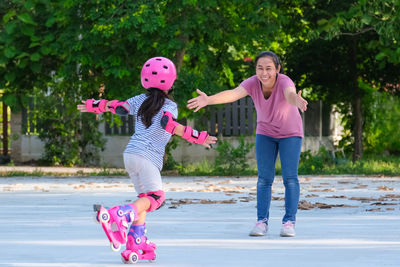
<point>382,127</point>
<point>32,63</point>
<point>351,50</point>
<point>28,51</point>
<point>73,48</point>
<point>206,39</point>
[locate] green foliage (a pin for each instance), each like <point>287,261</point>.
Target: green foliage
<point>110,41</point>
<point>233,160</point>
<point>169,162</point>
<point>199,168</point>
<point>70,138</point>
<point>359,17</point>
<point>28,52</point>
<point>369,165</point>
<point>382,124</point>
<point>351,51</point>
<point>335,51</point>
<point>313,164</point>
<point>229,161</point>
<point>87,44</point>
<point>321,163</point>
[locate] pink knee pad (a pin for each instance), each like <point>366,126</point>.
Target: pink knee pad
<point>156,198</point>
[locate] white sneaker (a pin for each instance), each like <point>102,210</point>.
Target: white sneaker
<point>287,229</point>
<point>260,229</point>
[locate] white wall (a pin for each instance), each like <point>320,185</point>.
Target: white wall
<point>32,148</point>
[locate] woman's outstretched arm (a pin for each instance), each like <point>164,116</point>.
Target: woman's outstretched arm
<point>223,97</point>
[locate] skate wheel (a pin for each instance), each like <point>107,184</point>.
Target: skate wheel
<point>124,260</point>
<point>133,257</point>
<point>120,213</point>
<point>153,260</point>
<point>115,248</point>
<point>96,219</point>
<point>104,217</point>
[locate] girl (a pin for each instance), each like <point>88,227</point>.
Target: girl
<point>279,129</point>
<point>143,157</point>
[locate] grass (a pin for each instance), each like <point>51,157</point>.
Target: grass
<point>320,164</point>
<point>40,173</point>
<point>22,173</point>
<point>368,166</point>
<point>206,168</point>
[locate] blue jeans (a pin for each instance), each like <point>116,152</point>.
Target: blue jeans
<point>267,149</point>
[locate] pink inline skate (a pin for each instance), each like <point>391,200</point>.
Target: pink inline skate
<point>115,223</point>
<point>138,247</point>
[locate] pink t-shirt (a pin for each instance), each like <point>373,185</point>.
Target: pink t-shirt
<point>275,116</point>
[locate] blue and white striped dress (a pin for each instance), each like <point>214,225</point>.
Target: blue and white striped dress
<point>149,143</point>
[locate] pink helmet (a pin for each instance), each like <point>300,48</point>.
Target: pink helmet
<point>158,72</point>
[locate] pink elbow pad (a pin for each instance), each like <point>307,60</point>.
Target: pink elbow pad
<point>168,122</point>
<point>119,107</point>
<point>193,136</point>
<point>96,106</point>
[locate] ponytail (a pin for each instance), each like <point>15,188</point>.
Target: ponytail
<point>151,106</point>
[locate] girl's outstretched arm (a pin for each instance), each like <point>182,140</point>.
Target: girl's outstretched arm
<point>169,123</point>
<point>103,105</point>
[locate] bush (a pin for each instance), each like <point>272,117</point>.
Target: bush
<point>381,131</point>
<point>231,160</point>
<point>314,164</point>
<point>70,138</point>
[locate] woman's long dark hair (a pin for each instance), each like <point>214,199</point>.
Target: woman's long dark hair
<point>152,105</point>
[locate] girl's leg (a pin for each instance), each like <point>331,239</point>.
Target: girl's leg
<point>147,181</point>
<point>142,204</point>
<point>145,177</point>
<point>138,246</point>
<point>289,152</point>
<point>266,152</point>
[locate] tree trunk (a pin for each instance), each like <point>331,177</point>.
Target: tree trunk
<point>358,129</point>
<point>181,53</point>
<point>357,103</point>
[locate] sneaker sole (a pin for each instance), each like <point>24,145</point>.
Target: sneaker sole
<point>257,234</point>
<point>287,235</point>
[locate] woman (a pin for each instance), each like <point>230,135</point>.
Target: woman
<point>279,129</point>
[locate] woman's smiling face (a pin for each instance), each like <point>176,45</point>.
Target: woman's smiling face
<point>266,71</point>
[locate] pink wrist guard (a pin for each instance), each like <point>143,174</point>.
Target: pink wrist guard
<point>193,136</point>
<point>168,122</point>
<point>119,107</point>
<point>96,106</point>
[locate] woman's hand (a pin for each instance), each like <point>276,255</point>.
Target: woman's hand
<point>210,140</point>
<point>198,102</point>
<point>295,99</point>
<point>301,103</point>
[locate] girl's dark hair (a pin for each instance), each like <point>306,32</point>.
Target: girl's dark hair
<point>152,105</point>
<point>273,56</point>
